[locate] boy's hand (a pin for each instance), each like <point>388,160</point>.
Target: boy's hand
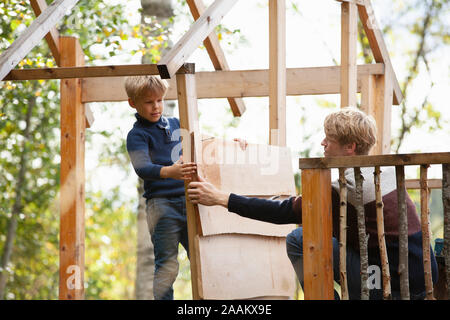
<point>179,170</point>
<point>242,143</point>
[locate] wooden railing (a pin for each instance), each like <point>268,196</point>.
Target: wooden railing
<point>317,220</point>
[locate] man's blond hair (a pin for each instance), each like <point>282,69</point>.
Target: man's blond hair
<point>135,86</point>
<point>350,125</point>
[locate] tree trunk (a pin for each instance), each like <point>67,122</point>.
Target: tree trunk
<point>159,10</point>
<point>12,225</point>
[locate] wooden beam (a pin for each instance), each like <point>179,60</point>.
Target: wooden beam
<point>317,234</point>
<point>216,54</point>
<point>377,160</point>
<point>415,183</point>
<point>277,72</point>
<point>378,46</point>
<point>91,72</point>
<point>33,35</point>
<point>358,2</point>
<point>188,109</point>
<point>72,195</point>
<point>52,37</point>
<point>383,112</point>
<point>198,32</point>
<point>240,83</point>
<point>349,37</point>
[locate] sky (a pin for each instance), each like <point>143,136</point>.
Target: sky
<point>312,39</point>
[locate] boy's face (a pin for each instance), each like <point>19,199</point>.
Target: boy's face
<point>332,148</point>
<point>149,106</point>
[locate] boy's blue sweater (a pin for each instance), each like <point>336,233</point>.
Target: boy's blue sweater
<point>150,146</point>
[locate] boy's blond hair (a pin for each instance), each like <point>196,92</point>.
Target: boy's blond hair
<point>352,125</point>
<point>135,86</point>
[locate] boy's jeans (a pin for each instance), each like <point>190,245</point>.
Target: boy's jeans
<point>166,218</point>
<point>294,246</point>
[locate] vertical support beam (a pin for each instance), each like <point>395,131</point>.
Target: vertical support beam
<point>317,234</point>
<point>187,105</point>
<point>368,106</point>
<point>425,223</point>
<point>403,233</point>
<point>277,72</point>
<point>382,112</point>
<point>343,234</point>
<point>349,37</point>
<point>71,273</point>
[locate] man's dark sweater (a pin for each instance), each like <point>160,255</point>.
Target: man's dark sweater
<point>290,211</point>
<point>152,145</point>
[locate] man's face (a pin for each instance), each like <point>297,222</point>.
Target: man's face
<point>149,106</point>
<point>332,148</point>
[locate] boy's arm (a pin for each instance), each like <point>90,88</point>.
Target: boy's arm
<point>137,147</point>
<point>138,151</point>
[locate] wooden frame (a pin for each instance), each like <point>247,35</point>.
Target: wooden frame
<point>377,83</point>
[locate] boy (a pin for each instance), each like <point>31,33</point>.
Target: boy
<point>348,132</point>
<point>151,146</point>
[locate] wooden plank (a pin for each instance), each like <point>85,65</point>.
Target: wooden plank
<point>52,37</point>
<point>72,195</point>
<point>224,163</point>
<point>377,160</point>
<point>91,71</point>
<point>358,2</point>
<point>425,226</point>
<point>216,54</point>
<point>403,267</point>
<point>415,183</point>
<point>245,266</point>
<point>378,46</point>
<point>198,32</point>
<point>241,83</point>
<point>277,72</point>
<point>317,234</point>
<point>33,35</point>
<point>349,38</point>
<point>188,115</point>
<point>382,113</point>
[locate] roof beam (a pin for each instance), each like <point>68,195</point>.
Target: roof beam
<point>238,83</point>
<point>33,35</point>
<point>52,37</point>
<point>198,32</point>
<point>91,72</point>
<point>216,54</point>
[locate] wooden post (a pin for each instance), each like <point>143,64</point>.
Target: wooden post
<point>343,234</point>
<point>387,295</point>
<point>317,234</point>
<point>425,223</point>
<point>446,205</point>
<point>403,233</point>
<point>71,273</point>
<point>362,235</point>
<point>187,104</point>
<point>382,113</point>
<point>277,72</point>
<point>349,36</point>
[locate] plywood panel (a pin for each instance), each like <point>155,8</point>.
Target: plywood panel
<point>247,172</point>
<point>244,267</point>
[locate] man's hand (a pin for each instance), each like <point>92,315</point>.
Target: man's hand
<point>242,143</point>
<point>203,192</point>
<point>179,170</point>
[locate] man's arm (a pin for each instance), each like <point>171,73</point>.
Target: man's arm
<point>273,211</point>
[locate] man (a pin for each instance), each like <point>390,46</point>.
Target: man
<point>348,132</point>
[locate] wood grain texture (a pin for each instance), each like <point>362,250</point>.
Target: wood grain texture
<point>317,234</point>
